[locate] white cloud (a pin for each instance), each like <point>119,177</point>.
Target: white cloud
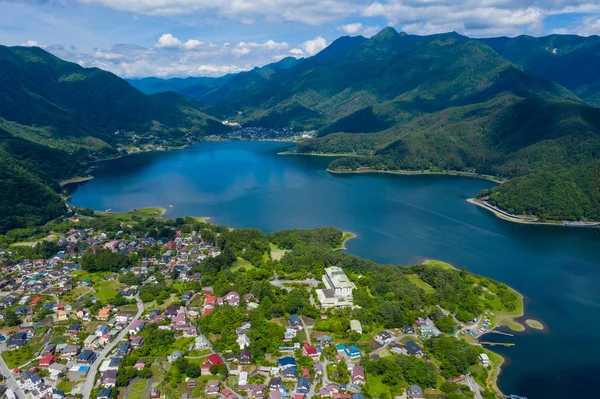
<point>167,40</point>
<point>192,44</point>
<point>588,26</point>
<point>312,47</point>
<point>352,29</point>
<point>30,43</point>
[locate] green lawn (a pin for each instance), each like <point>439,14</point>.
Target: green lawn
<point>139,384</point>
<point>106,290</point>
<point>439,263</point>
<point>239,263</point>
<point>416,280</point>
<point>18,357</point>
<point>65,385</point>
<point>376,388</point>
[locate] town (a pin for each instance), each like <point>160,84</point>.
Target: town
<point>127,307</point>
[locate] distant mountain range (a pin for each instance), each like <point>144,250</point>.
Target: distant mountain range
<point>507,107</point>
<point>519,108</point>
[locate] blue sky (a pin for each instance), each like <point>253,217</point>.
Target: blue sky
<point>165,38</point>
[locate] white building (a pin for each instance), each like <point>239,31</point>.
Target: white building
<point>484,359</point>
<point>339,289</point>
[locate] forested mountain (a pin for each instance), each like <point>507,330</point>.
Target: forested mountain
<point>69,101</point>
<point>53,113</point>
<point>360,85</point>
<point>569,194</point>
<point>572,61</point>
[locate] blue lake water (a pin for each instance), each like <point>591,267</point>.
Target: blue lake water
<point>398,219</point>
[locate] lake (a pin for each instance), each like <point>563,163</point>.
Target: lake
<point>398,219</point>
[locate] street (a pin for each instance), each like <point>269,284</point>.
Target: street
<point>91,377</point>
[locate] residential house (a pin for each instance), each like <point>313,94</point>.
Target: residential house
<point>310,351</point>
<point>353,352</point>
<point>212,387</point>
<point>384,338</point>
<point>136,327</point>
<point>245,356</point>
<point>356,326</point>
<point>87,356</point>
<point>357,375</point>
<point>109,378</point>
<point>413,349</point>
<point>104,393</point>
<point>415,392</point>
<point>303,386</point>
<point>46,361</point>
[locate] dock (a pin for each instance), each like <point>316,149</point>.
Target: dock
<point>507,344</point>
<point>502,333</point>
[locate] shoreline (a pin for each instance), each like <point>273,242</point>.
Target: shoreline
<point>501,320</point>
<point>521,220</point>
<point>73,180</point>
<point>348,236</point>
<point>420,172</point>
<point>325,154</point>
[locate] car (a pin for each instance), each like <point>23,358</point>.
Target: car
<point>2,338</point>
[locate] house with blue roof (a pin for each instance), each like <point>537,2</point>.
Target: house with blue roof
<point>295,321</point>
<point>286,362</point>
<point>353,351</point>
<point>303,386</point>
<point>340,348</point>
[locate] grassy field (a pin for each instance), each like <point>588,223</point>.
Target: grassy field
<point>239,263</point>
<point>106,290</point>
<point>142,212</point>
<point>65,385</point>
<point>439,263</point>
<point>376,388</point>
<point>18,357</point>
<point>416,280</point>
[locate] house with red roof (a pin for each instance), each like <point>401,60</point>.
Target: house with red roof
<point>46,361</point>
<point>309,350</point>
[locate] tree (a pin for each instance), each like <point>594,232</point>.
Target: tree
<point>219,369</point>
<point>192,370</point>
<point>10,318</point>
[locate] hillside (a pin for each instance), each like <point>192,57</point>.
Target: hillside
<point>54,115</point>
<point>28,177</point>
<point>556,57</point>
<point>507,137</point>
<point>71,102</point>
<point>570,194</point>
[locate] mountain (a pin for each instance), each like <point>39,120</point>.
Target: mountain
<point>72,102</point>
<point>54,113</point>
<point>572,61</point>
<point>507,137</point>
<point>382,81</point>
<point>197,87</point>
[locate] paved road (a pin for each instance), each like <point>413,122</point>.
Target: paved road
<point>91,377</point>
<point>11,382</point>
<point>474,387</point>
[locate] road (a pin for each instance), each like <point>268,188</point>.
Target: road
<point>91,377</point>
<point>11,382</point>
<point>473,385</point>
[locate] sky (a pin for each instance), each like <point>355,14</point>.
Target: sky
<point>180,38</point>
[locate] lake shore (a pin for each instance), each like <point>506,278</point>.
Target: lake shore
<point>345,238</point>
<point>420,172</point>
<point>525,220</point>
<point>73,180</point>
<point>310,154</point>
